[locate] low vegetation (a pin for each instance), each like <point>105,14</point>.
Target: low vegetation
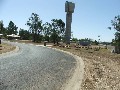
<point>6,48</point>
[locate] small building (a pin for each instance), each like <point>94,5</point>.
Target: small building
<point>85,43</point>
<point>13,36</point>
<point>1,35</point>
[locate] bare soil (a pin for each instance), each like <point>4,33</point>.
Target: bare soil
<point>102,68</point>
<point>6,48</point>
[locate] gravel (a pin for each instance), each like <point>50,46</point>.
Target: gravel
<point>35,68</point>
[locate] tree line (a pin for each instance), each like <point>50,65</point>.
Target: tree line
<point>51,32</point>
<point>11,29</point>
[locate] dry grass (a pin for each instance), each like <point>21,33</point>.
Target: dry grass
<point>6,48</point>
<point>102,68</point>
<point>29,42</point>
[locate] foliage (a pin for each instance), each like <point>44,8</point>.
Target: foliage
<point>12,28</point>
<point>35,26</point>
<point>3,30</point>
<point>47,31</point>
<point>116,23</point>
<point>57,30</point>
<point>117,38</point>
<point>86,39</point>
<point>24,34</point>
<point>95,42</point>
<point>74,39</point>
<point>1,26</point>
<point>54,31</point>
<point>51,32</point>
<point>116,26</point>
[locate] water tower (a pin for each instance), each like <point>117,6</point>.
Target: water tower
<point>69,9</point>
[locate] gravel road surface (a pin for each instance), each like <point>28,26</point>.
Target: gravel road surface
<point>35,68</point>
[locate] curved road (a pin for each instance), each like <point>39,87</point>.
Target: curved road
<point>35,68</point>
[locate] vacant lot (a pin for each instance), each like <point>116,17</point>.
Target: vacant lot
<point>102,68</point>
<point>6,48</point>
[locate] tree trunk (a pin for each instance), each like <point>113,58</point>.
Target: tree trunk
<point>117,49</point>
<point>0,40</point>
<point>54,41</point>
<point>33,37</point>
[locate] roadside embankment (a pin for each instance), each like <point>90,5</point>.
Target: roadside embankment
<point>74,83</point>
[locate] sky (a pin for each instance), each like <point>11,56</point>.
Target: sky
<point>90,18</point>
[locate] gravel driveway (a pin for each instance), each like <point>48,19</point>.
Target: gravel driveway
<point>35,68</point>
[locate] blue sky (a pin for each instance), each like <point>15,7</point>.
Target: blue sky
<point>90,19</point>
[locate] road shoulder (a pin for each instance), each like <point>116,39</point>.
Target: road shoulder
<point>74,83</point>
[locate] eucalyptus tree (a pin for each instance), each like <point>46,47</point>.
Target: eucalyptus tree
<point>57,30</point>
<point>116,26</point>
<point>35,26</point>
<point>3,30</point>
<point>12,28</point>
<point>47,31</point>
<point>24,34</point>
<point>1,27</point>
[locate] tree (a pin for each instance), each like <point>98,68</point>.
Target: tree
<point>47,31</point>
<point>12,28</point>
<point>74,39</point>
<point>96,42</point>
<point>1,26</point>
<point>57,30</point>
<point>116,26</point>
<point>35,26</point>
<point>113,42</point>
<point>3,30</point>
<point>24,34</point>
